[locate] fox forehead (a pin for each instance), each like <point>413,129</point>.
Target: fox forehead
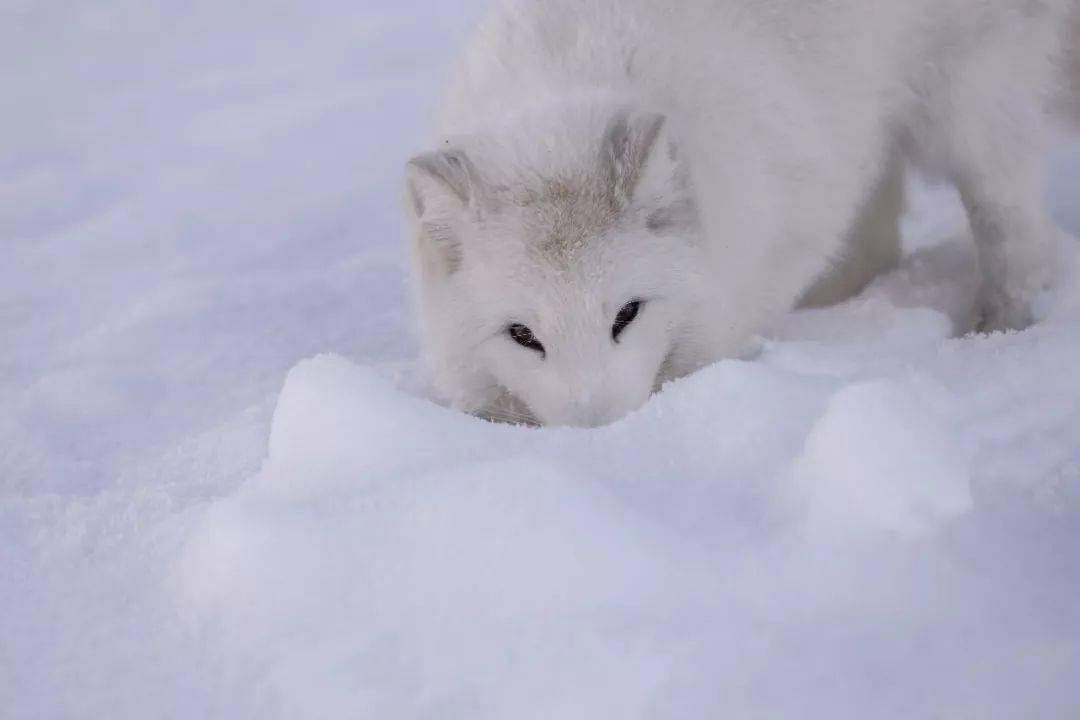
<point>538,275</point>
<point>558,283</point>
<point>567,243</point>
<point>557,221</point>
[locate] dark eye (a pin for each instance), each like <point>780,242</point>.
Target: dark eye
<point>524,337</point>
<point>626,316</point>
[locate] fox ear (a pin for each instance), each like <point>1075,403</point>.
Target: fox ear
<point>639,157</point>
<point>440,181</point>
<point>441,189</point>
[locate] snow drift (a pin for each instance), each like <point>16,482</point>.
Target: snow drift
<point>872,519</point>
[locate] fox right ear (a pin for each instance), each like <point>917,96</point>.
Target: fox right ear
<point>441,189</point>
<point>638,156</point>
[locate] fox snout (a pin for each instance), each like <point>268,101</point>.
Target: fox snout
<point>589,409</point>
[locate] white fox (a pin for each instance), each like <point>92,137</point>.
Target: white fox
<point>627,190</point>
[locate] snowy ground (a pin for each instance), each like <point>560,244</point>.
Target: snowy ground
<point>874,519</point>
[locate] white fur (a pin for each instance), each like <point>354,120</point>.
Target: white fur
<point>782,122</point>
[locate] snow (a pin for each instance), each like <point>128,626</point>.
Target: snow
<point>223,494</point>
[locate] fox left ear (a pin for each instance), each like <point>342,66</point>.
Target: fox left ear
<point>442,189</point>
<point>442,181</point>
<point>640,158</point>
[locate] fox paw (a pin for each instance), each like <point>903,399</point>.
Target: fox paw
<point>1000,311</point>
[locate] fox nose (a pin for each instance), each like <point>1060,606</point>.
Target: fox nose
<point>592,419</point>
<point>589,411</point>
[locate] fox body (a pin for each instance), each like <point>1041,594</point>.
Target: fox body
<point>627,190</point>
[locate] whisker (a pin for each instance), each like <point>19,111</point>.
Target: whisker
<point>505,409</point>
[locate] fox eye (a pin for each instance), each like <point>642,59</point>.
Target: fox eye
<point>524,337</point>
<point>626,316</point>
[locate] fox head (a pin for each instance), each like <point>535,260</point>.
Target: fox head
<point>555,292</point>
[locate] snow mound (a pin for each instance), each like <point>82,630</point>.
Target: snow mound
<point>862,522</point>
<point>884,457</point>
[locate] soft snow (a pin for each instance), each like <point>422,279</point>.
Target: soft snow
<point>874,518</point>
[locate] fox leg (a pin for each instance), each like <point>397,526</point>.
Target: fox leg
<point>871,247</point>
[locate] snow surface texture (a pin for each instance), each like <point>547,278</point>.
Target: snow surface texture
<point>873,519</point>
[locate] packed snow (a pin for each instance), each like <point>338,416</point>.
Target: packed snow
<point>224,492</point>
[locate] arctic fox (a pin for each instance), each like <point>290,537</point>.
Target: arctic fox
<point>627,190</point>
